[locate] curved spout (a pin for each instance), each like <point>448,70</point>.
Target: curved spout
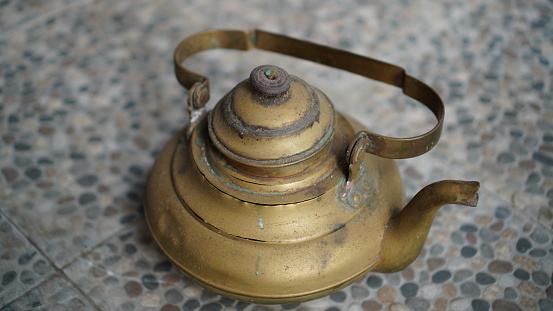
<point>406,232</point>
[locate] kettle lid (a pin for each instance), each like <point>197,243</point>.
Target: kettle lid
<point>271,119</point>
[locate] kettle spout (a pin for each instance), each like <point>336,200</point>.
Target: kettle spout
<point>406,232</point>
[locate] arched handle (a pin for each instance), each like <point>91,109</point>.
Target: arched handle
<point>383,146</point>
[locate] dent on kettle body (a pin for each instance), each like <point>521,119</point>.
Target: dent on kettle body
<point>276,197</point>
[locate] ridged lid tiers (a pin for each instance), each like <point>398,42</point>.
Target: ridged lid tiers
<point>253,128</point>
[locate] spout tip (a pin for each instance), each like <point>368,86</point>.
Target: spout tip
<point>472,202</point>
<point>468,193</point>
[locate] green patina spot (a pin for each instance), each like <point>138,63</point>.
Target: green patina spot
<point>268,72</point>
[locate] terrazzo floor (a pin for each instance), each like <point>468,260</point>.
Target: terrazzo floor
<point>88,97</point>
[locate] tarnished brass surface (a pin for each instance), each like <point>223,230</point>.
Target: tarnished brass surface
<point>272,131</point>
<point>275,197</point>
<point>416,218</point>
<point>388,147</point>
<point>266,253</point>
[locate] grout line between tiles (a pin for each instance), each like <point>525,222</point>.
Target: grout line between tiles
<point>27,291</point>
<point>57,271</point>
<point>60,270</point>
<point>61,274</point>
<point>81,255</point>
<point>97,245</point>
<point>80,290</point>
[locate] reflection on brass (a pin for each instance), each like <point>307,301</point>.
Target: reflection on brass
<point>276,197</point>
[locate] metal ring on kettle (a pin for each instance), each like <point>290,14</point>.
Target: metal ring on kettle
<point>383,146</point>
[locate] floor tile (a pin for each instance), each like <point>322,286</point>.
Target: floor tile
<point>15,15</point>
<point>74,173</point>
<point>22,266</point>
<point>128,272</point>
<point>54,294</point>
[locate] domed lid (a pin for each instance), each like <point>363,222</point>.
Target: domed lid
<point>271,119</point>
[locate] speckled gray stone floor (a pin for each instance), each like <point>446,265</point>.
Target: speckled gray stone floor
<point>88,96</point>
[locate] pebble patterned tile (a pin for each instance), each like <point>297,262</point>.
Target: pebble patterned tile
<point>500,95</point>
<point>88,97</point>
<point>22,266</point>
<point>54,294</point>
<point>128,272</point>
<point>79,144</point>
<point>15,15</point>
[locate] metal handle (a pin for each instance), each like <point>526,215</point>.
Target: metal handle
<point>383,146</point>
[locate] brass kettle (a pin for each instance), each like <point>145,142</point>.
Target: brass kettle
<point>275,197</point>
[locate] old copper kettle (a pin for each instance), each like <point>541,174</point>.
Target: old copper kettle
<point>275,197</point>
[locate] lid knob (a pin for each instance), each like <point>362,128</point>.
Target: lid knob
<point>269,80</point>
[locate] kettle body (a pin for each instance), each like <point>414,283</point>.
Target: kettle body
<point>275,197</point>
